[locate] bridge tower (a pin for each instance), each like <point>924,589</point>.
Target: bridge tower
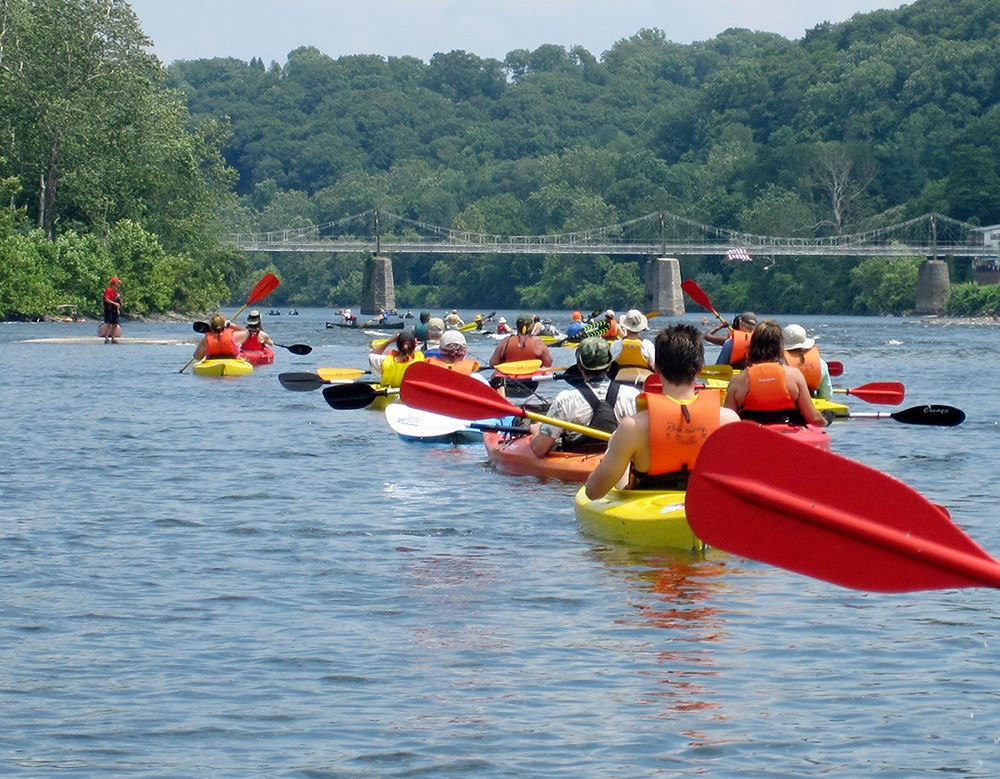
<point>933,284</point>
<point>377,288</point>
<point>663,287</point>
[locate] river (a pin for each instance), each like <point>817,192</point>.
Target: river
<point>222,578</point>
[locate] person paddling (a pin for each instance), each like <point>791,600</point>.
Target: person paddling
<point>737,346</point>
<point>634,355</point>
<point>222,341</point>
<point>802,352</point>
<point>452,352</point>
<point>391,367</point>
<point>522,346</point>
<point>596,401</point>
<point>768,391</point>
<point>657,447</point>
<point>257,339</point>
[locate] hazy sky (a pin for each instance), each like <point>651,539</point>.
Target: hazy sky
<point>270,29</point>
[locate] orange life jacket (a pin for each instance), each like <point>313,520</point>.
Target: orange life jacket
<point>808,362</point>
<point>767,388</point>
<point>519,347</point>
<point>675,438</point>
<point>466,366</point>
<point>221,345</point>
<point>741,348</point>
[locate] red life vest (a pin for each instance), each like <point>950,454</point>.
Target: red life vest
<point>675,438</point>
<point>253,344</point>
<point>466,366</point>
<point>767,388</point>
<point>221,345</point>
<point>808,362</point>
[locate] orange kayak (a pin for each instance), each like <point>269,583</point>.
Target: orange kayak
<point>514,456</point>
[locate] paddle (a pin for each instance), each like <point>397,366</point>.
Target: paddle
<point>723,372</point>
<point>261,290</point>
<point>349,396</point>
<point>887,393</point>
<point>518,367</point>
<point>822,515</point>
<point>697,294</point>
<point>935,415</point>
<point>431,388</point>
<point>297,348</point>
<point>835,368</point>
<point>417,423</point>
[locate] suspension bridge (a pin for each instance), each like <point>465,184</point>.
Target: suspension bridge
<point>659,234</point>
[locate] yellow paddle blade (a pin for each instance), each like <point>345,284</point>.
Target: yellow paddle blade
<point>724,372</point>
<point>518,367</point>
<point>332,374</point>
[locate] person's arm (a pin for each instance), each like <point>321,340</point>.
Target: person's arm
<point>737,392</point>
<point>726,353</point>
<point>825,388</point>
<point>497,357</point>
<point>613,468</point>
<point>541,443</point>
<point>544,354</point>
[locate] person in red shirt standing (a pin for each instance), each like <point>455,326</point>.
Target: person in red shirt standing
<point>112,310</point>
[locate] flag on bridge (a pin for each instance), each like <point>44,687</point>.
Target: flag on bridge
<point>738,255</point>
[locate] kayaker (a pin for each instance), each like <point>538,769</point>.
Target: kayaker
<point>112,311</point>
<point>536,325</point>
<point>420,330</point>
<point>453,352</point>
<point>768,391</point>
<point>435,329</point>
<point>575,329</point>
<point>657,447</point>
<point>502,327</point>
<point>634,355</point>
<point>713,337</point>
<point>522,346</point>
<point>596,401</point>
<point>348,317</point>
<point>453,321</point>
<point>736,347</point>
<point>613,331</point>
<point>802,352</point>
<point>390,367</point>
<point>222,341</point>
<point>257,339</point>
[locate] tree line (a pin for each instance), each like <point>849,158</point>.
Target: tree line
<point>887,116</point>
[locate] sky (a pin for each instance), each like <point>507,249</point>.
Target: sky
<point>270,29</point>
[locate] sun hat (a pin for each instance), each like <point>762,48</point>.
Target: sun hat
<point>610,314</point>
<point>795,338</point>
<point>502,320</point>
<point>253,318</point>
<point>594,353</point>
<point>453,341</point>
<point>635,321</point>
<point>435,326</point>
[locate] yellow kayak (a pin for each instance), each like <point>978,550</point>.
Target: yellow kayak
<point>646,518</point>
<point>222,367</point>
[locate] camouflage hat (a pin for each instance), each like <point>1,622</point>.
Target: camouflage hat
<point>593,354</point>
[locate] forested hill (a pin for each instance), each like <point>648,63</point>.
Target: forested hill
<point>886,116</point>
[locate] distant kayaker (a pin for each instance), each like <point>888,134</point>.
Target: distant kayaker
<point>502,327</point>
<point>634,355</point>
<point>736,347</point>
<point>452,354</point>
<point>420,329</point>
<point>453,321</point>
<point>348,317</point>
<point>222,341</point>
<point>522,346</point>
<point>575,330</point>
<point>612,331</point>
<point>112,311</point>
<point>596,401</point>
<point>257,339</point>
<point>768,391</point>
<point>657,447</point>
<point>802,352</point>
<point>390,367</point>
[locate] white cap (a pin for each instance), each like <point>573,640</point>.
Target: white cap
<point>453,341</point>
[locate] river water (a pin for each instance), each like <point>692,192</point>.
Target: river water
<point>222,578</point>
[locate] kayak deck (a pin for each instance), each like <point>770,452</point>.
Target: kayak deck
<point>222,367</point>
<point>646,518</point>
<point>514,456</point>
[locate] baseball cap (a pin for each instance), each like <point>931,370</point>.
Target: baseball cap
<point>594,354</point>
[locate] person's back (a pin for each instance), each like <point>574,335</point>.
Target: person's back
<point>803,353</point>
<point>660,443</point>
<point>575,329</point>
<point>521,346</point>
<point>595,401</point>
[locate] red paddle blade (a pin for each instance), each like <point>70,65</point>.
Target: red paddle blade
<point>886,393</point>
<point>452,394</point>
<point>697,294</point>
<point>263,288</point>
<point>820,514</point>
<point>835,368</point>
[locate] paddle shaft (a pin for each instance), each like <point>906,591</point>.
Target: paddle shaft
<point>698,295</point>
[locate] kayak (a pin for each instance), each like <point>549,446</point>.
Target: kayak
<point>647,518</point>
<point>514,456</point>
<point>814,436</point>
<point>263,356</point>
<point>224,366</point>
<point>837,409</point>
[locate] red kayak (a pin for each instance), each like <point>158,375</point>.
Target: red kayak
<point>514,456</point>
<point>263,356</point>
